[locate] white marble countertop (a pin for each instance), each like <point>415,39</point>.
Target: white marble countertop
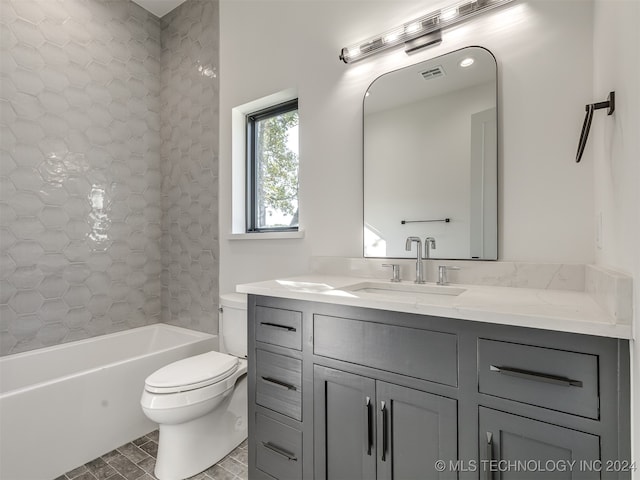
<point>559,310</point>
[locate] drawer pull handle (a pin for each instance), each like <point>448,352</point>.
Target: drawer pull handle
<point>385,444</point>
<point>279,383</point>
<point>369,421</point>
<point>489,454</point>
<point>538,377</point>
<point>280,451</point>
<point>275,325</point>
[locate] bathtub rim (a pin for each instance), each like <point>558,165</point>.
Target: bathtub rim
<point>198,336</point>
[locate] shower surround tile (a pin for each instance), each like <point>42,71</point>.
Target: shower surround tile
<point>189,161</point>
<point>80,182</point>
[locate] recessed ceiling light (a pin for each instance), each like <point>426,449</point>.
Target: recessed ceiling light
<point>467,62</point>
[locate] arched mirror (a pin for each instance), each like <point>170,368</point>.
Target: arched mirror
<point>431,157</point>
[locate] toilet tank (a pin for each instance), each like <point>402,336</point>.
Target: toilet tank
<point>233,324</point>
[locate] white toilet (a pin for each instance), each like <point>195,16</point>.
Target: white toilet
<point>200,403</point>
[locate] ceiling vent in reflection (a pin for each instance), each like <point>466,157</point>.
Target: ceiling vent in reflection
<point>434,72</point>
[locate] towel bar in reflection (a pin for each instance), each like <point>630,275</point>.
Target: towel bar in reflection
<point>445,220</point>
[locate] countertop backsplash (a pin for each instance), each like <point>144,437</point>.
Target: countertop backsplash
<point>612,290</point>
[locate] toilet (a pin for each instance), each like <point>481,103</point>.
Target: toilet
<point>200,402</point>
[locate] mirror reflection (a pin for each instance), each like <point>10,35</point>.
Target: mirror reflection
<point>430,158</point>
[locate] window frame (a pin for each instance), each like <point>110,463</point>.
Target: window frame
<point>251,171</point>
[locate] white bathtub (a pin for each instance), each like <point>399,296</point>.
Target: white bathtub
<point>63,406</point>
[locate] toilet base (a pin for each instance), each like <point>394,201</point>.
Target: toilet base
<point>190,448</point>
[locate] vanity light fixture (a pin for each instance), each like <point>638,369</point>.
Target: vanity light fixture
<point>421,32</point>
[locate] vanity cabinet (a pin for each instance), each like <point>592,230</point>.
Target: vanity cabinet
<point>541,448</point>
<point>366,428</point>
<point>276,392</point>
<point>345,425</point>
<point>339,392</point>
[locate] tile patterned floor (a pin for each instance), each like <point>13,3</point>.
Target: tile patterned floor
<point>136,461</point>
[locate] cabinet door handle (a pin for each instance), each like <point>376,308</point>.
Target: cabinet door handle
<point>385,444</point>
<point>369,421</point>
<point>280,451</point>
<point>279,383</point>
<point>489,455</point>
<point>276,325</point>
<point>535,376</point>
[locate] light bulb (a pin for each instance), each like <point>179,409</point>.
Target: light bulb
<point>448,14</point>
<point>391,38</point>
<point>354,52</point>
<point>413,27</point>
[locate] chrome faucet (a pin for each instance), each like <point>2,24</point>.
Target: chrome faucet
<point>419,266</point>
<point>429,243</point>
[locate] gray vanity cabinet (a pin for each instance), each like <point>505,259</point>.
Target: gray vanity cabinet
<point>367,429</point>
<point>348,393</point>
<point>519,448</point>
<point>276,388</point>
<point>420,428</point>
<point>344,425</point>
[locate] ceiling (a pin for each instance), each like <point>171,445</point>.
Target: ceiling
<point>159,7</point>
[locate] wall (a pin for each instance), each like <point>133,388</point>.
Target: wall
<point>189,132</point>
<point>80,172</point>
<point>616,146</point>
<point>544,54</point>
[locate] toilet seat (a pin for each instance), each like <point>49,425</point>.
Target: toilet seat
<point>192,373</point>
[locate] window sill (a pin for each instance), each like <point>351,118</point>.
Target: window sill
<point>266,235</point>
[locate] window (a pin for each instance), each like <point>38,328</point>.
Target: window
<point>272,168</point>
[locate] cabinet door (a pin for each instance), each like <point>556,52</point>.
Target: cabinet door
<point>415,429</point>
<point>344,427</point>
<point>519,448</point>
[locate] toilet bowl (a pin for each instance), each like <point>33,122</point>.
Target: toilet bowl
<point>200,403</point>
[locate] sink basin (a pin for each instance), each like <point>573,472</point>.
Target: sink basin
<point>405,290</point>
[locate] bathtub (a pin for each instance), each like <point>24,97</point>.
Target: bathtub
<point>63,406</point>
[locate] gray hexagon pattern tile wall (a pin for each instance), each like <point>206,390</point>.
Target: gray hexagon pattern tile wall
<point>108,174</point>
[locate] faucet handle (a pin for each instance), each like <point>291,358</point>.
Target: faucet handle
<point>442,273</point>
<point>396,271</point>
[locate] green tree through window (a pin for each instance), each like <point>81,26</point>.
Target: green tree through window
<point>274,168</point>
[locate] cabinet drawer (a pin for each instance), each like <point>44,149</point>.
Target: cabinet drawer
<point>279,327</point>
<point>278,449</point>
<point>279,383</point>
<point>424,354</point>
<point>554,379</point>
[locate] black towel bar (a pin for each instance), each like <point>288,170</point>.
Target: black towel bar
<point>610,104</point>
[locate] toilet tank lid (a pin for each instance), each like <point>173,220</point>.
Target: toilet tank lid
<point>234,300</point>
<point>192,372</point>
